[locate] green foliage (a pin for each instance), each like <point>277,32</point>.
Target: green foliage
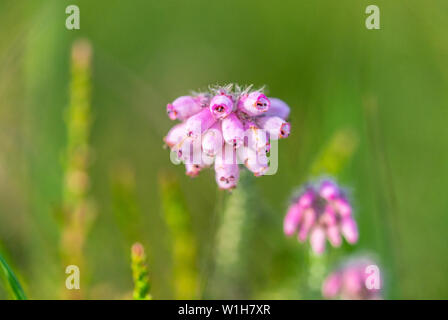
<point>336,153</point>
<point>11,280</point>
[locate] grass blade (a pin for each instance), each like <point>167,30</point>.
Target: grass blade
<point>11,280</point>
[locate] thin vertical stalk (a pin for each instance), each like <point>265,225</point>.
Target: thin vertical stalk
<point>77,206</point>
<point>177,217</point>
<point>140,273</point>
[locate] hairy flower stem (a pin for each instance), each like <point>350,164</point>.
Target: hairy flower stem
<point>140,273</point>
<point>77,207</point>
<point>229,265</point>
<point>317,269</point>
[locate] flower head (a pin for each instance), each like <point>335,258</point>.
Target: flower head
<point>321,211</point>
<point>228,125</point>
<point>356,279</point>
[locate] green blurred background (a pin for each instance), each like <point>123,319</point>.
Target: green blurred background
<point>388,86</point>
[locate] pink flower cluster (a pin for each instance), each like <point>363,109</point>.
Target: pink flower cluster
<point>226,126</point>
<point>357,279</point>
<point>323,212</point>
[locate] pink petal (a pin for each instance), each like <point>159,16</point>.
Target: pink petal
<point>199,123</point>
<point>232,130</point>
<point>254,104</point>
<point>334,236</point>
<point>292,219</point>
<point>308,222</point>
<point>275,126</point>
<point>317,240</point>
<point>212,140</point>
<point>221,106</point>
<point>183,107</point>
<point>332,285</point>
<point>349,230</point>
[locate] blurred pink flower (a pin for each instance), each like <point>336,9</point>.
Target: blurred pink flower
<point>355,280</point>
<point>321,212</point>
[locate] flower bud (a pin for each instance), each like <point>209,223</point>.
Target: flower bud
<point>257,139</point>
<point>256,162</point>
<point>275,126</point>
<point>183,107</point>
<point>309,218</point>
<point>227,175</point>
<point>232,130</point>
<point>317,240</point>
<point>350,230</point>
<point>254,104</point>
<point>292,219</point>
<point>192,170</point>
<point>175,135</point>
<point>328,190</point>
<point>200,122</point>
<point>212,140</point>
<point>334,236</point>
<point>221,106</point>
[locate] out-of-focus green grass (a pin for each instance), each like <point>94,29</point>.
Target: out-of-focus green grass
<point>389,86</point>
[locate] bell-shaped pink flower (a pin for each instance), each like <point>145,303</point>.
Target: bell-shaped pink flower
<point>275,126</point>
<point>254,103</point>
<point>221,106</point>
<point>200,122</point>
<point>227,174</point>
<point>232,130</point>
<point>212,140</point>
<point>256,161</point>
<point>292,219</point>
<point>175,135</point>
<point>257,139</point>
<point>184,107</point>
<point>192,170</point>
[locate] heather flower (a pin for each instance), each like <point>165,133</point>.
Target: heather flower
<point>198,123</point>
<point>275,126</point>
<point>212,140</point>
<point>184,107</point>
<point>221,106</point>
<point>254,103</point>
<point>229,126</point>
<point>321,212</point>
<point>232,130</point>
<point>175,135</point>
<point>354,280</point>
